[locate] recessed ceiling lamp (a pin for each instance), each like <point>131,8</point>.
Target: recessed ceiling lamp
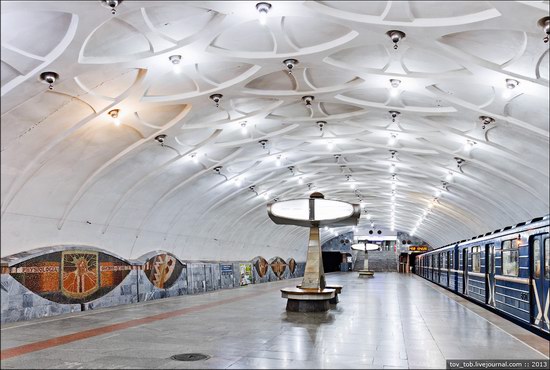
<point>330,145</point>
<point>544,23</point>
<point>394,114</point>
<point>216,99</point>
<point>486,120</point>
<point>396,36</point>
<point>112,4</point>
<point>290,63</point>
<point>438,193</point>
<point>114,115</point>
<point>392,168</point>
<point>278,161</point>
<point>194,157</point>
<point>368,216</point>
<point>237,181</point>
<point>300,181</point>
<point>244,130</point>
<point>266,195</point>
<point>263,9</point>
<point>393,153</point>
<point>395,85</point>
<point>449,177</point>
<point>308,99</point>
<point>176,60</point>
<point>459,162</point>
<point>49,78</point>
<point>372,224</point>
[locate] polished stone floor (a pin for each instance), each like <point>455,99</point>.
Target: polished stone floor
<point>390,321</point>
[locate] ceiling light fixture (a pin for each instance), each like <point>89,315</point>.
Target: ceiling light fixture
<point>266,195</point>
<point>291,169</point>
<point>263,143</point>
<point>544,23</point>
<point>394,91</point>
<point>307,100</point>
<point>510,85</point>
<point>393,153</point>
<point>112,4</point>
<point>49,78</point>
<point>290,63</point>
<point>486,120</point>
<point>392,168</point>
<point>330,145</point>
<point>160,138</point>
<point>394,114</point>
<point>321,125</point>
<point>469,145</point>
<point>459,162</point>
<point>252,188</point>
<point>449,177</point>
<point>244,130</point>
<point>194,157</point>
<point>392,140</point>
<point>278,161</point>
<point>114,115</point>
<point>300,181</point>
<point>396,36</point>
<point>263,9</point>
<point>175,59</point>
<point>216,99</point>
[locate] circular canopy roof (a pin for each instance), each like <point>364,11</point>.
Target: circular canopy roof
<point>357,119</point>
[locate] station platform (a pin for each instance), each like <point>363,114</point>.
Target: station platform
<point>391,321</point>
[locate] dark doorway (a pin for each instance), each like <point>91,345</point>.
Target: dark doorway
<point>332,261</point>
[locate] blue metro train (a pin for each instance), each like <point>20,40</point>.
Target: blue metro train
<point>507,270</point>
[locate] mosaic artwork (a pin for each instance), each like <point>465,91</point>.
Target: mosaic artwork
<point>163,270</point>
<point>79,273</point>
<point>291,265</point>
<point>278,266</point>
<point>261,266</point>
<point>74,276</point>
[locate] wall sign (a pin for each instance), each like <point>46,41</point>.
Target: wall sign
<point>418,248</point>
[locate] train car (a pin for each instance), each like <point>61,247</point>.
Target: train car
<point>507,270</point>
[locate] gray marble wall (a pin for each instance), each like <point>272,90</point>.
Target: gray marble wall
<point>335,244</point>
<point>18,303</point>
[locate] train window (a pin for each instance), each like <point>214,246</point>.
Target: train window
<point>509,258</point>
<point>536,258</point>
<point>451,260</point>
<point>444,260</point>
<point>547,259</point>
<point>476,259</point>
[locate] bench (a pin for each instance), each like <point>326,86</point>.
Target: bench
<point>366,273</point>
<point>337,289</point>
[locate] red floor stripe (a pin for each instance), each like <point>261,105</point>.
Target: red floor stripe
<point>64,339</point>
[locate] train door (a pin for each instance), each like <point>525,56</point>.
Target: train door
<point>490,274</point>
<point>465,271</point>
<point>448,267</point>
<point>540,275</point>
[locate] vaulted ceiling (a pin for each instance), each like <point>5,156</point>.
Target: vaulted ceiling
<point>70,175</point>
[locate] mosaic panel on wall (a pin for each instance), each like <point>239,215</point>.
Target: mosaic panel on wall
<point>291,265</point>
<point>163,270</point>
<point>278,266</point>
<point>74,276</point>
<point>261,266</point>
